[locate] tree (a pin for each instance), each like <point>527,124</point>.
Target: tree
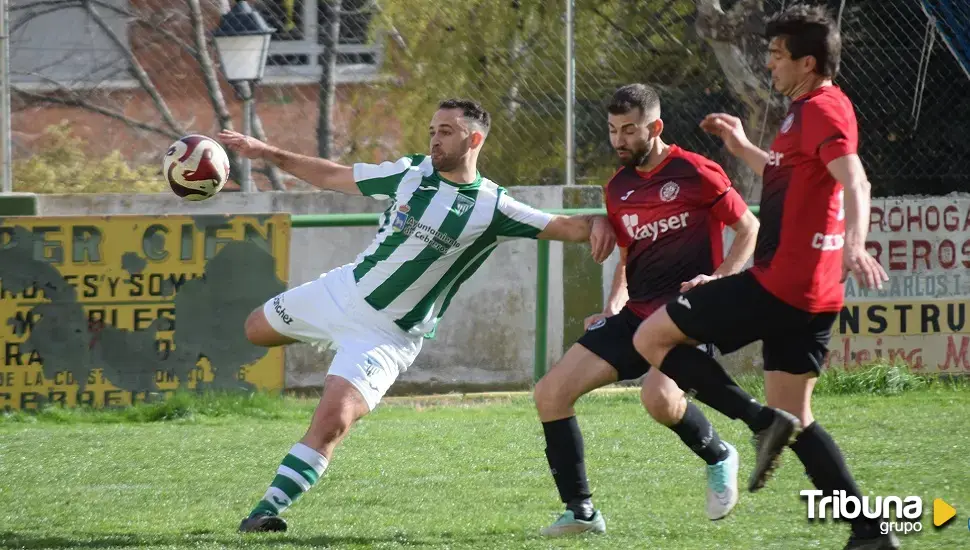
<point>736,37</point>
<point>329,36</point>
<point>178,32</point>
<point>510,56</point>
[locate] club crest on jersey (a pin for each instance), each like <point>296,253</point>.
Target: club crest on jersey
<point>400,220</point>
<point>463,204</point>
<point>669,191</point>
<point>787,123</point>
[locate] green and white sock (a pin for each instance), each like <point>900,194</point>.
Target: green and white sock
<point>300,469</point>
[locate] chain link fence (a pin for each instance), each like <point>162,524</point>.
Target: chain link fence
<point>910,92</point>
<point>128,76</point>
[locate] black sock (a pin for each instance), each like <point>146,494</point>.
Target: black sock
<point>564,451</point>
<point>826,468</point>
<point>698,434</point>
<point>695,370</point>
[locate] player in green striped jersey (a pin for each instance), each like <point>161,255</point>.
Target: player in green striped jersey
<point>442,222</point>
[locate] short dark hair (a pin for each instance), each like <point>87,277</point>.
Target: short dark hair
<point>634,96</point>
<point>470,110</point>
<point>809,30</point>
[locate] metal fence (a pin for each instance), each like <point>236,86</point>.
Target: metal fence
<point>128,76</point>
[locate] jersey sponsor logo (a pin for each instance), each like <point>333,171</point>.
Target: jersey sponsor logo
<point>281,311</point>
<point>627,195</point>
<point>463,204</point>
<point>825,243</point>
<point>774,158</point>
<point>669,191</point>
<point>654,229</point>
<point>787,123</point>
<point>412,227</point>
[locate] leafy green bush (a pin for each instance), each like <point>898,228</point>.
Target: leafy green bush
<point>61,166</point>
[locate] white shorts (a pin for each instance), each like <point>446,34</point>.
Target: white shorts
<point>329,312</point>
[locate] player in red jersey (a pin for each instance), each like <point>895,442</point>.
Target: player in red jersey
<point>814,219</point>
<point>668,207</point>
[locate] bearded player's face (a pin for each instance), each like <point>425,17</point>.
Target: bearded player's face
<point>450,139</point>
<point>630,136</point>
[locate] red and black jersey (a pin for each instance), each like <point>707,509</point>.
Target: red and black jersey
<point>798,257</point>
<point>671,221</point>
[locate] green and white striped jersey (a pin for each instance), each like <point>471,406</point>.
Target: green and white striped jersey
<point>432,238</point>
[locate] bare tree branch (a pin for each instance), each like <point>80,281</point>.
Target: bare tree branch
<point>272,172</point>
<point>78,102</point>
<point>392,31</point>
<point>28,17</point>
<point>329,30</point>
<point>209,75</point>
<point>137,71</point>
<point>160,23</point>
<point>157,22</point>
<point>117,9</point>
<point>207,67</point>
<point>736,37</point>
<point>169,35</point>
<point>39,3</point>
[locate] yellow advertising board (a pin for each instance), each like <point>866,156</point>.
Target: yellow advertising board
<point>122,309</point>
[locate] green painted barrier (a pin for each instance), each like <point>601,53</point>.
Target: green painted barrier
<point>18,204</point>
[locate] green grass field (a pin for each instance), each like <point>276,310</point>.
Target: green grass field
<point>451,473</point>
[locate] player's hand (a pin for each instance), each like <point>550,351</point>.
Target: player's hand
<point>866,270</point>
<point>246,146</point>
<point>602,239</point>
<point>588,322</point>
<point>696,281</point>
<point>729,129</point>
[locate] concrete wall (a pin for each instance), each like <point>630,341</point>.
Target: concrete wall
<point>486,340</point>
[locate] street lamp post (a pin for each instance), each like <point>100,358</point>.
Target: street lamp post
<point>242,40</point>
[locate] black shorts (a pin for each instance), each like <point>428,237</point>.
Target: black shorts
<point>611,340</point>
<point>735,311</point>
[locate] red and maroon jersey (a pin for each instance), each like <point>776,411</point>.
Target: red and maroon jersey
<point>670,220</point>
<point>798,257</point>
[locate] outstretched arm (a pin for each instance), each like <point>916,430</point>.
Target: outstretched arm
<point>316,171</point>
<point>596,229</point>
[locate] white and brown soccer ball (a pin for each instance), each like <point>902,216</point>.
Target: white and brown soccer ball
<point>196,167</point>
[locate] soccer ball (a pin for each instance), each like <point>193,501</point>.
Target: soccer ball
<point>196,167</point>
